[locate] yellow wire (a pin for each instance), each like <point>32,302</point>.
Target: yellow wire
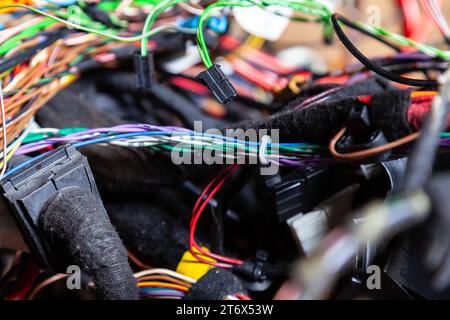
<point>293,84</point>
<point>254,42</point>
<point>10,154</point>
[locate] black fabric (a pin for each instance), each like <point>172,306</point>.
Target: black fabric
<point>135,169</point>
<point>320,122</point>
<point>132,170</point>
<point>79,224</point>
<point>153,235</point>
<point>389,113</point>
<point>74,107</point>
<point>216,284</point>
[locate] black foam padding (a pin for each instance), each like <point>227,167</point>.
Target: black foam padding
<point>216,284</point>
<point>75,107</point>
<point>151,233</point>
<point>79,224</point>
<point>132,170</point>
<point>389,113</point>
<point>320,122</point>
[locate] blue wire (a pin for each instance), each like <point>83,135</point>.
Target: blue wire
<point>175,133</point>
<point>24,164</point>
<point>63,3</point>
<point>140,134</point>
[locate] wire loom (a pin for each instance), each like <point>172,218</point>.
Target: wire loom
<point>162,210</point>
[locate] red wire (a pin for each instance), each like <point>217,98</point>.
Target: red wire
<point>192,225</point>
<point>206,190</point>
<point>411,16</point>
<point>242,296</point>
<point>25,283</point>
<point>415,25</point>
<point>196,213</point>
<point>190,85</point>
<point>264,79</point>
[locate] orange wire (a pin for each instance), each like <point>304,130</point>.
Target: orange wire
<point>162,285</point>
<point>415,94</point>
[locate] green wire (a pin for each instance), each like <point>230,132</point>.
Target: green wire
<point>12,42</point>
<point>113,5</point>
<point>38,136</point>
<point>310,148</point>
<point>107,35</point>
<point>316,9</point>
<point>203,49</point>
<point>309,7</point>
<point>84,19</point>
<point>404,41</point>
<point>151,18</point>
<point>224,147</point>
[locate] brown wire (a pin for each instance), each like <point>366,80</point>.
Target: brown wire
<point>138,262</point>
<point>45,283</point>
<point>368,152</point>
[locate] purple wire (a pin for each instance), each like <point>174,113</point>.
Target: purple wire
<point>132,128</point>
<point>87,134</point>
<point>163,293</point>
<point>311,161</point>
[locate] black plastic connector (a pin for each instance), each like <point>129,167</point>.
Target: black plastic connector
<point>361,135</point>
<point>254,270</point>
<point>28,191</point>
<point>218,83</point>
<point>145,70</point>
<point>301,189</point>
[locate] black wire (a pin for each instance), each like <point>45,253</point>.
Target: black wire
<point>354,26</point>
<point>419,66</point>
<point>336,19</point>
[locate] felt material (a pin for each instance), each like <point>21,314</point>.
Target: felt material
<point>216,284</point>
<point>151,233</point>
<point>136,170</point>
<point>389,113</point>
<point>320,122</point>
<point>76,107</point>
<point>79,224</point>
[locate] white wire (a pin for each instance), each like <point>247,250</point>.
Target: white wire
<point>165,272</point>
<point>5,143</point>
